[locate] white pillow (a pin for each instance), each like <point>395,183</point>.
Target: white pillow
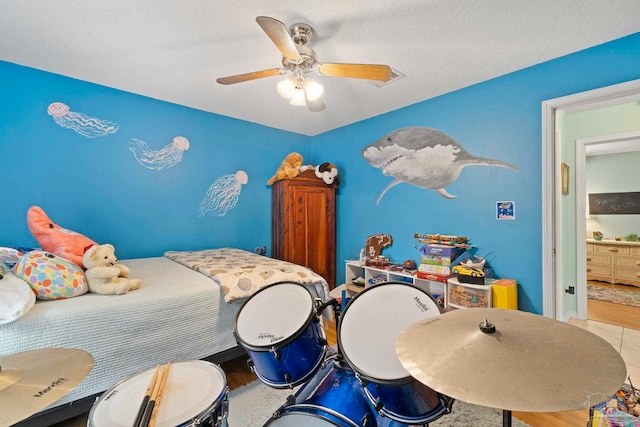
<point>16,298</point>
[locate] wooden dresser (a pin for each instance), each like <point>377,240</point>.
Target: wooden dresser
<point>613,262</point>
<point>303,223</point>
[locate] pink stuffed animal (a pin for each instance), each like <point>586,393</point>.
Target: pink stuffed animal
<point>52,238</point>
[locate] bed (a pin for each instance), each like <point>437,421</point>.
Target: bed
<point>188,299</point>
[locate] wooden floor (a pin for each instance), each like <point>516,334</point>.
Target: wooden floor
<point>239,374</point>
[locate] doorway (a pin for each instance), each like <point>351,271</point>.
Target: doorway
<point>593,146</point>
<point>560,236</point>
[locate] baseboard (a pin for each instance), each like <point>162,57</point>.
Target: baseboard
<point>569,315</point>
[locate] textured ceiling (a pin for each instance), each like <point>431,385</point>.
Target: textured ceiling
<point>174,50</point>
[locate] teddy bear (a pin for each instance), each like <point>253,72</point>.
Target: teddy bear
<point>290,167</point>
<point>104,275</point>
<point>328,172</point>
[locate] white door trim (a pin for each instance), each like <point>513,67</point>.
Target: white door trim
<point>581,205</point>
<point>552,289</point>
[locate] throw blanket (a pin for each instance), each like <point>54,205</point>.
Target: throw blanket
<point>241,273</point>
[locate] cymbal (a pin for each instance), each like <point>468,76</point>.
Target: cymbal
<point>530,363</point>
<point>32,380</point>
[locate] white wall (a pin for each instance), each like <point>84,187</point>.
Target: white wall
<point>613,173</point>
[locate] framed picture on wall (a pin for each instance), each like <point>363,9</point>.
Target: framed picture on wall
<point>565,178</point>
<point>506,210</point>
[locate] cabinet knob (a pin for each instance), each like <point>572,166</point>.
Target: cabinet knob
<point>637,262</point>
<point>588,270</point>
<point>588,258</point>
<point>612,249</point>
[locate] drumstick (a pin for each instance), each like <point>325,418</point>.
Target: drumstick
<point>152,401</point>
<point>147,396</point>
<point>156,407</point>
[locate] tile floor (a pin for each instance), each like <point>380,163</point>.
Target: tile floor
<point>625,340</point>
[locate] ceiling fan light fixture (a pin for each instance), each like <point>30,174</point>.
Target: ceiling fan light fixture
<point>298,97</point>
<point>286,88</point>
<point>314,89</point>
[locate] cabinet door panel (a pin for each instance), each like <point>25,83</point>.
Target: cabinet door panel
<point>303,224</point>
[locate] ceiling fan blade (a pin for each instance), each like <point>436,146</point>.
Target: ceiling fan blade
<point>279,35</point>
<point>356,71</point>
<point>239,78</point>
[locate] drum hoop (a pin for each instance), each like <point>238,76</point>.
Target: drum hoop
<point>284,342</point>
<point>330,411</point>
<point>364,375</point>
<point>445,408</point>
<point>274,417</point>
<point>197,417</point>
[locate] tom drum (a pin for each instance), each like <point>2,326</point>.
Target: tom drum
<point>195,394</point>
<point>367,335</point>
<point>279,328</point>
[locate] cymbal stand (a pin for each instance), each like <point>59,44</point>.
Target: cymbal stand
<point>506,418</point>
<point>337,309</point>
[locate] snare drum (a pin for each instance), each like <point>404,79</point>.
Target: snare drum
<point>279,328</point>
<point>367,334</point>
<point>333,397</point>
<point>195,395</point>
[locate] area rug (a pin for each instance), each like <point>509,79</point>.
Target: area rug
<point>253,404</point>
<point>616,296</point>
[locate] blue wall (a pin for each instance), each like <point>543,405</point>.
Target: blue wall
<point>96,187</point>
<point>499,119</point>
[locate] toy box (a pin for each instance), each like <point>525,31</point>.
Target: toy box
<point>442,278</point>
<point>464,295</point>
<point>441,255</point>
<point>505,294</point>
<point>434,269</point>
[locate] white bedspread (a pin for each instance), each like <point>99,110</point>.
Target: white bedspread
<point>177,314</point>
<point>241,273</point>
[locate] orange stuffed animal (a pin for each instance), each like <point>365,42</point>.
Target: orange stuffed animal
<point>52,238</point>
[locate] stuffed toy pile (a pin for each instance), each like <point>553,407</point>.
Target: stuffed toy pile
<point>290,167</point>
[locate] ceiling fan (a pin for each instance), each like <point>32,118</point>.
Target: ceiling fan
<point>300,60</point>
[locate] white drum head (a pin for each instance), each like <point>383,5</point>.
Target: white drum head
<point>191,388</point>
<point>274,314</point>
<point>372,323</point>
<point>300,419</point>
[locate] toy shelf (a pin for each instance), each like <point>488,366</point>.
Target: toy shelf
<point>355,269</point>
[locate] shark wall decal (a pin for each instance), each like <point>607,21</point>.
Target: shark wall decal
<point>423,157</point>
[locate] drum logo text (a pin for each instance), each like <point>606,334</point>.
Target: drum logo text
<point>422,306</point>
<point>53,385</point>
<point>272,337</point>
<point>110,395</point>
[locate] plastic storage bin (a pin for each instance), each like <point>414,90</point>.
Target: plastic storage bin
<point>466,295</point>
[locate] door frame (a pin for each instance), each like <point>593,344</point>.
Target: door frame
<point>552,287</point>
<point>581,202</point>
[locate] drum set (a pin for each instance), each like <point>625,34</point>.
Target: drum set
<point>358,383</point>
<point>391,349</point>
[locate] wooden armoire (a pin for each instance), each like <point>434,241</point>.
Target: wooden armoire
<point>303,223</point>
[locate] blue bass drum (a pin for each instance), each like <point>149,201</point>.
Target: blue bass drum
<point>367,333</point>
<point>281,332</point>
<point>334,397</point>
